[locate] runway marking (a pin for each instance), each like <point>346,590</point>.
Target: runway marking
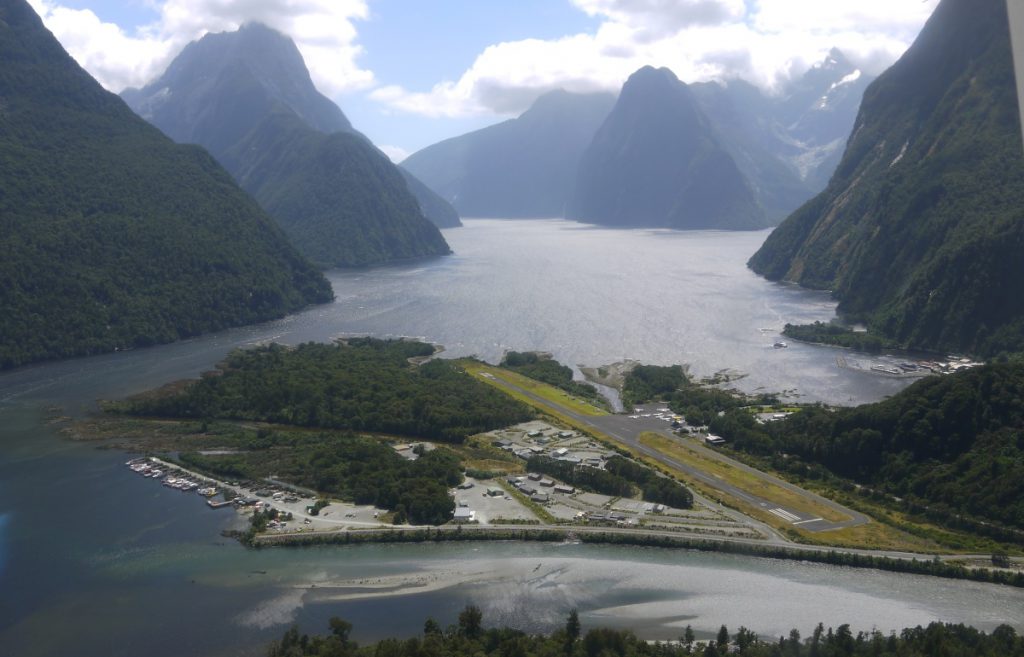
<point>811,520</point>
<point>785,515</point>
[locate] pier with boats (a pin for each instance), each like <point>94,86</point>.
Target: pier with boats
<point>909,369</point>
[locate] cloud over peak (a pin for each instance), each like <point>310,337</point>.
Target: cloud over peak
<point>323,30</point>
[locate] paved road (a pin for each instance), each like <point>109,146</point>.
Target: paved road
<point>627,430</point>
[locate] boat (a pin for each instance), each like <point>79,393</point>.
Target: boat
<point>780,345</point>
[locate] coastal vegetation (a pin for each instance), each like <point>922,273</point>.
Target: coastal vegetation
<point>948,449</point>
<point>646,383</point>
<point>546,369</point>
<point>838,336</point>
<point>112,236</point>
<point>362,384</point>
<point>698,401</point>
<point>468,637</point>
<point>357,469</point>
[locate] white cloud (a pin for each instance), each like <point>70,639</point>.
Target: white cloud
<point>763,41</point>
<point>395,153</point>
<point>323,30</point>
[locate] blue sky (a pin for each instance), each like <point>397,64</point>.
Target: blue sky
<point>409,73</point>
<point>407,43</point>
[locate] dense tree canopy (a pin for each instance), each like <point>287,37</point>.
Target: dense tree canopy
<point>470,639</point>
<point>363,384</point>
<point>954,444</point>
<point>112,236</point>
<point>353,468</point>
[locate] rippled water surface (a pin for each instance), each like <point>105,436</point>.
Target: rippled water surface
<point>97,561</point>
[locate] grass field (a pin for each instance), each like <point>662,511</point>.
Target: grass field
<point>547,392</point>
<point>874,535</point>
<point>742,479</point>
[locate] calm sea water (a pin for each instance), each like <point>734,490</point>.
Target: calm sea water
<point>97,561</point>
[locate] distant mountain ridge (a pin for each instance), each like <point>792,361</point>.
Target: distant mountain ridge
<point>523,167</point>
<point>921,231</point>
<point>113,236</point>
<point>247,93</point>
<point>655,162</point>
<point>785,145</point>
<point>789,144</point>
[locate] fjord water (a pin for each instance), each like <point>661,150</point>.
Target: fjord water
<point>97,561</point>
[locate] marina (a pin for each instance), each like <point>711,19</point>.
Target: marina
<point>907,369</point>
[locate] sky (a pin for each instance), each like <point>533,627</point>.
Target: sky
<point>409,73</point>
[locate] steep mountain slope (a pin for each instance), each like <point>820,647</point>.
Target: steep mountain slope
<point>817,112</point>
<point>921,230</point>
<point>318,186</point>
<point>655,162</point>
<point>228,92</point>
<point>440,212</point>
<point>524,167</point>
<point>743,121</point>
<point>111,235</point>
<point>787,144</point>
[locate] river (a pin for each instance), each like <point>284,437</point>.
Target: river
<point>97,561</point>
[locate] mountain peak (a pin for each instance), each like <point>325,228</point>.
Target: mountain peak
<point>256,62</point>
<point>655,162</point>
<point>648,76</point>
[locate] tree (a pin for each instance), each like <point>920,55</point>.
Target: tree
<point>688,636</point>
<point>723,637</point>
<point>471,621</point>
<point>744,639</point>
<point>341,629</point>
<point>572,626</point>
<point>431,626</point>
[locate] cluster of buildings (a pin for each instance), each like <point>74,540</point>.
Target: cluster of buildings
<point>538,439</point>
<point>539,488</point>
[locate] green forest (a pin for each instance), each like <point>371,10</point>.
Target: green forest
<point>340,200</point>
<point>112,236</point>
<point>920,233</point>
<point>646,383</point>
<point>469,637</point>
<point>345,466</point>
<point>949,447</point>
<point>840,336</point>
<point>545,369</point>
<point>362,384</point>
<point>699,402</point>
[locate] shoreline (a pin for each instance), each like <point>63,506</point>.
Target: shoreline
<point>947,568</point>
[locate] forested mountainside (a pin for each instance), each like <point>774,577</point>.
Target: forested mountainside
<point>523,167</point>
<point>655,162</point>
<point>920,233</point>
<point>241,94</point>
<point>952,445</point>
<point>321,189</point>
<point>111,235</point>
